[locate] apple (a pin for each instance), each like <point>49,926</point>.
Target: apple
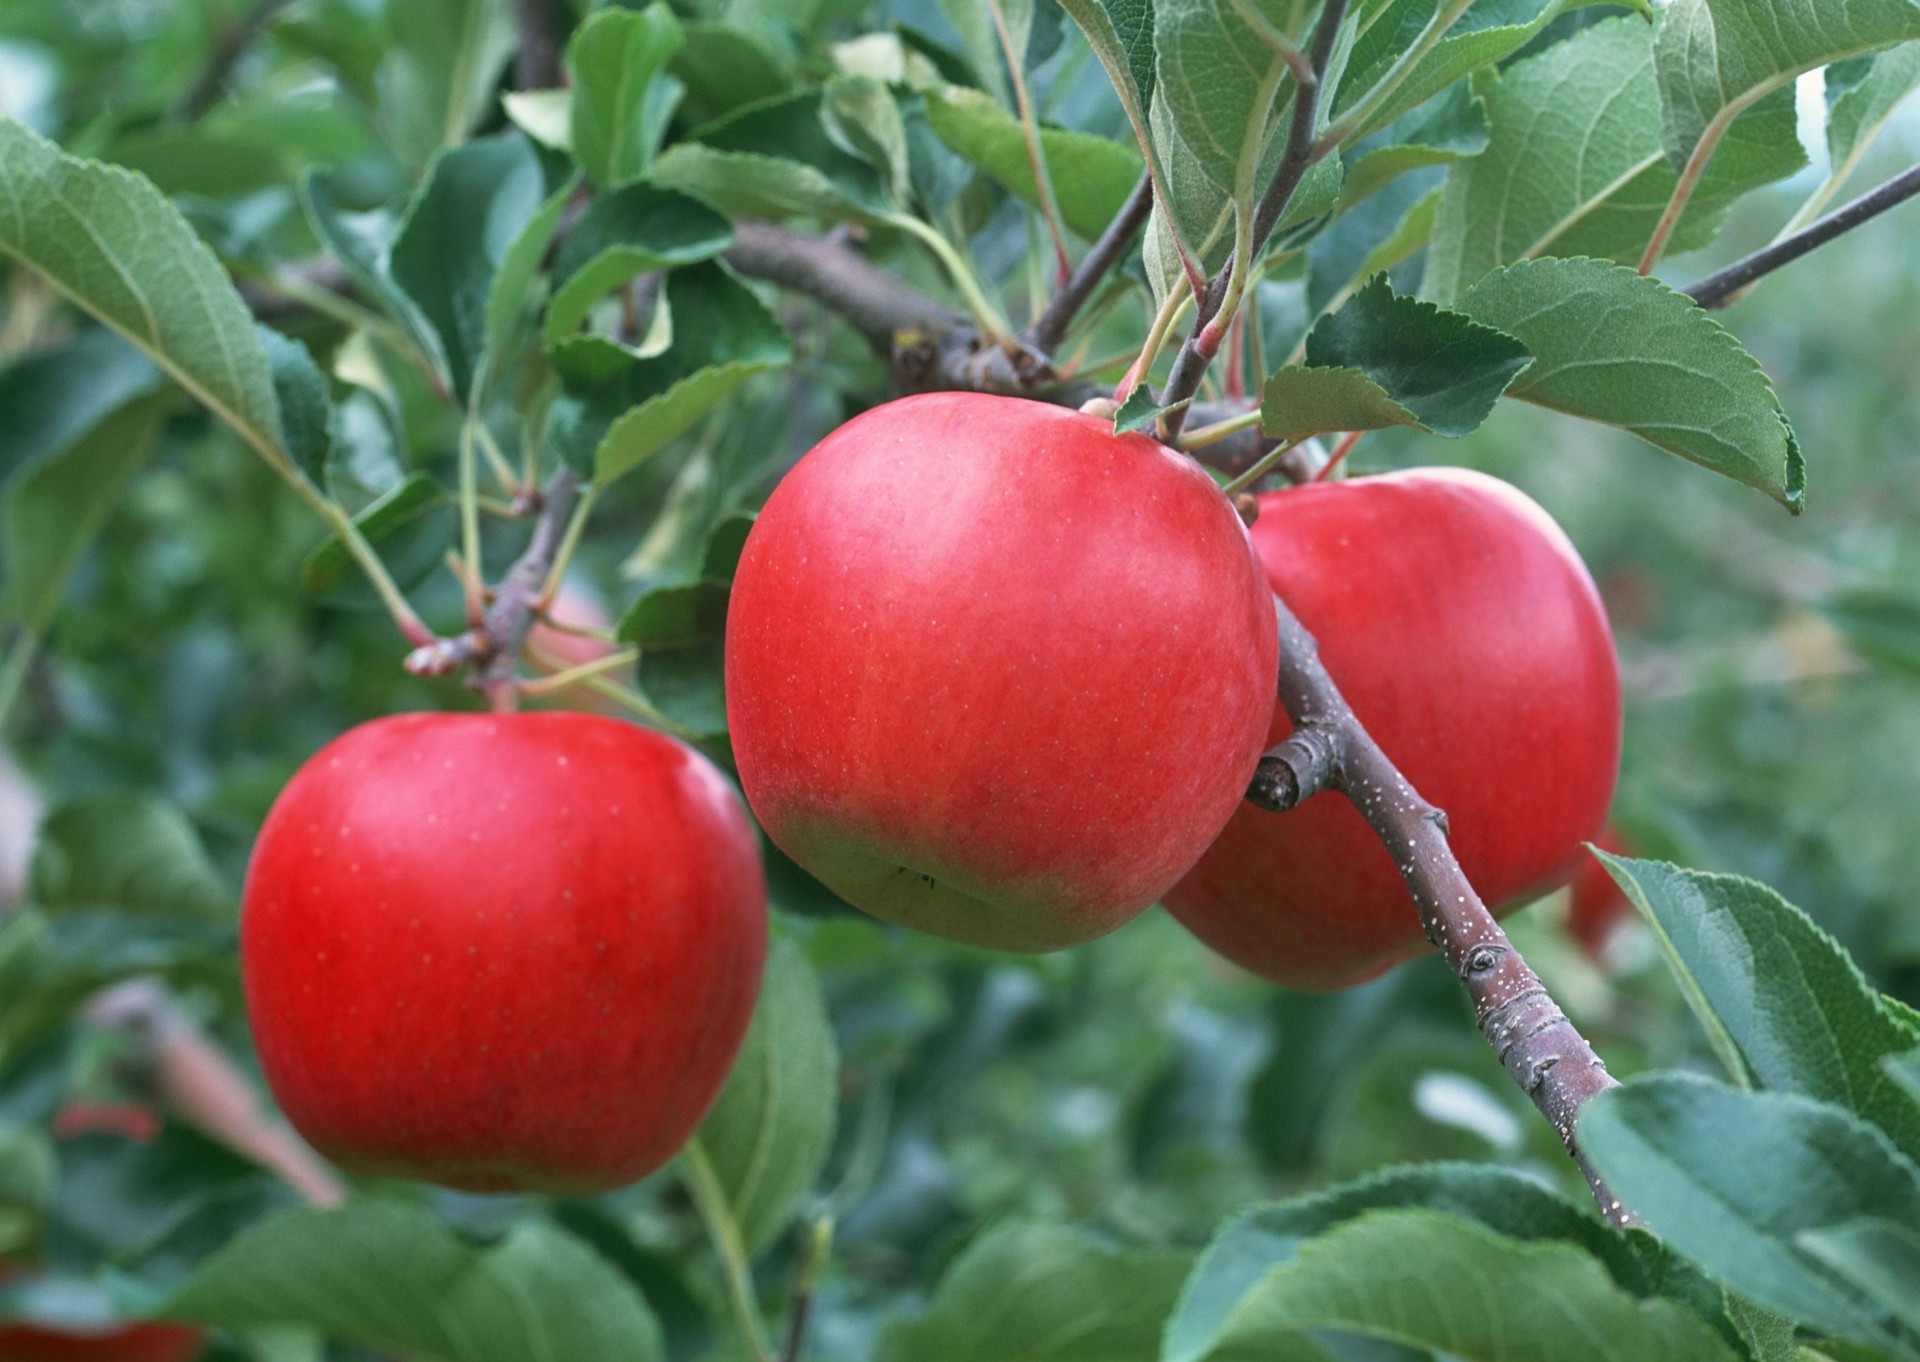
<point>994,672</point>
<point>502,952</point>
<point>117,1343</point>
<point>1463,628</point>
<point>1598,905</point>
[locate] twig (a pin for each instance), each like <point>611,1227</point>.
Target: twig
<point>517,598</point>
<point>1302,150</point>
<point>1718,290</point>
<point>1330,750</point>
<point>536,62</point>
<point>231,46</point>
<point>194,1079</point>
<point>1051,325</point>
<point>800,1308</point>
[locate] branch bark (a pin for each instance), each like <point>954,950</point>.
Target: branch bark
<point>1330,749</point>
<point>1051,325</point>
<point>536,62</point>
<point>1724,288</point>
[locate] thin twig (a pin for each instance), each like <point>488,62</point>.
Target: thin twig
<point>231,46</point>
<point>517,599</point>
<point>1330,749</point>
<point>536,62</point>
<point>1718,290</point>
<point>1051,325</point>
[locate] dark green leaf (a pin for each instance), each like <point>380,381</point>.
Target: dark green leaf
<point>306,407</point>
<point>1386,359</point>
<point>412,525</point>
<point>1738,1180</point>
<point>442,65</point>
<point>624,233</point>
<point>1613,346</point>
<point>1799,1012</point>
<point>132,853</point>
<point>676,616</point>
<point>762,1146</point>
<point>361,243</point>
<point>775,159</point>
<point>363,1271</point>
<point>1139,411</point>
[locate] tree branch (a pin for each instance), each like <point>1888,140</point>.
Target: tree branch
<point>1724,288</point>
<point>1203,340</point>
<point>1330,749</point>
<point>536,62</point>
<point>231,46</point>
<point>1051,325</point>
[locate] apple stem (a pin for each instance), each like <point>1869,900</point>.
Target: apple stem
<point>1330,750</point>
<point>818,1250</point>
<point>194,1079</point>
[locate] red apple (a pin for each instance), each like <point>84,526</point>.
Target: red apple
<point>500,953</point>
<point>1460,623</point>
<point>994,672</point>
<point>1598,905</point>
<point>119,1343</point>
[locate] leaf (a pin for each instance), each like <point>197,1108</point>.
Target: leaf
<point>1507,1203</point>
<point>1425,1279</point>
<point>1716,58</point>
<point>1139,411</point>
<point>1861,96</point>
<point>766,1139</point>
<point>544,115</point>
<point>1736,1180</point>
<point>624,233</point>
<point>775,159</point>
<point>306,407</point>
<point>1220,83</point>
<point>1372,236</point>
<point>415,525</point>
<point>1878,1257</point>
<point>442,64</point>
<point>1121,33</point>
<point>56,505</point>
<point>615,56</point>
<point>1802,1016</point>
<point>1613,346</point>
<point>133,853</point>
<point>107,239</point>
<point>676,616</point>
<point>1385,359</point>
<point>1485,34</point>
<point>513,282</point>
<point>610,428</point>
<point>1574,164</point>
<point>476,202</point>
<point>1451,126</point>
<point>361,242</point>
<point>1092,176</point>
<point>1042,1293</point>
<point>860,114</point>
<point>365,1272</point>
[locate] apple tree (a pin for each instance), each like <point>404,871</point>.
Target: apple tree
<point>809,679</point>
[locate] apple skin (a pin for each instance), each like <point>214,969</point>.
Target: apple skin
<point>1461,625</point>
<point>1598,905</point>
<point>121,1343</point>
<point>995,673</point>
<point>502,952</point>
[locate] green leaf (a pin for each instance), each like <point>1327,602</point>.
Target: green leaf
<point>1800,1013</point>
<point>443,63</point>
<point>676,616</point>
<point>54,396</point>
<point>1451,126</point>
<point>391,1276</point>
<point>412,524</point>
<point>306,407</point>
<point>610,428</point>
<point>1389,360</point>
<point>624,233</point>
<point>763,1144</point>
<point>1574,164</point>
<point>54,510</point>
<point>1861,96</point>
<point>544,115</point>
<point>1121,33</point>
<point>1507,1203</point>
<point>107,239</point>
<point>29,1173</point>
<point>473,207</point>
<point>132,853</point>
<point>1736,1181</point>
<point>362,242</point>
<point>615,56</point>
<point>1485,34</point>
<point>1092,176</point>
<point>1429,1280</point>
<point>1716,58</point>
<point>775,159</point>
<point>1613,346</point>
<point>1220,84</point>
<point>512,288</point>
<point>1043,1293</point>
<point>860,114</point>
<point>1878,1257</point>
<point>725,68</point>
<point>1139,411</point>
